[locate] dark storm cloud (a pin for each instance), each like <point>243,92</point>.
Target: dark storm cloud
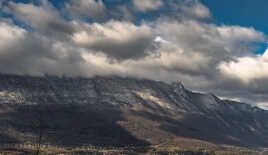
<point>44,18</point>
<point>118,40</point>
<point>94,9</point>
<point>23,52</point>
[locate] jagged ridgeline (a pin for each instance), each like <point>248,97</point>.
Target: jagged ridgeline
<point>113,111</point>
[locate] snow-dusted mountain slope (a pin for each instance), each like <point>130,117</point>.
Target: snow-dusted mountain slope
<point>80,111</point>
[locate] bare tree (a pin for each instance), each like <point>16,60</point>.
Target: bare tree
<point>41,132</point>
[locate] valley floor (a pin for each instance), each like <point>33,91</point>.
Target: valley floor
<point>29,149</point>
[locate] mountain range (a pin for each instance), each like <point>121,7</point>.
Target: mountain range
<point>116,111</point>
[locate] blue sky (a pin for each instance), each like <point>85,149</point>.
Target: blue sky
<point>247,13</point>
<point>220,45</point>
<point>240,12</point>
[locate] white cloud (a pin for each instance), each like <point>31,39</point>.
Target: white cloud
<point>178,48</point>
<point>240,33</point>
<point>183,48</point>
<point>196,10</point>
<point>117,39</point>
<point>10,34</point>
<point>24,52</point>
<point>87,8</point>
<point>43,18</point>
<point>147,5</point>
<point>263,105</point>
<point>217,42</point>
<point>247,69</point>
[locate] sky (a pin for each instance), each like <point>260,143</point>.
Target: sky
<point>211,46</point>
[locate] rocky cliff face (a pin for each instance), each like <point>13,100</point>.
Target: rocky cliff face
<point>122,111</point>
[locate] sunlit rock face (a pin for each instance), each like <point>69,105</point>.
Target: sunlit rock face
<point>122,111</point>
